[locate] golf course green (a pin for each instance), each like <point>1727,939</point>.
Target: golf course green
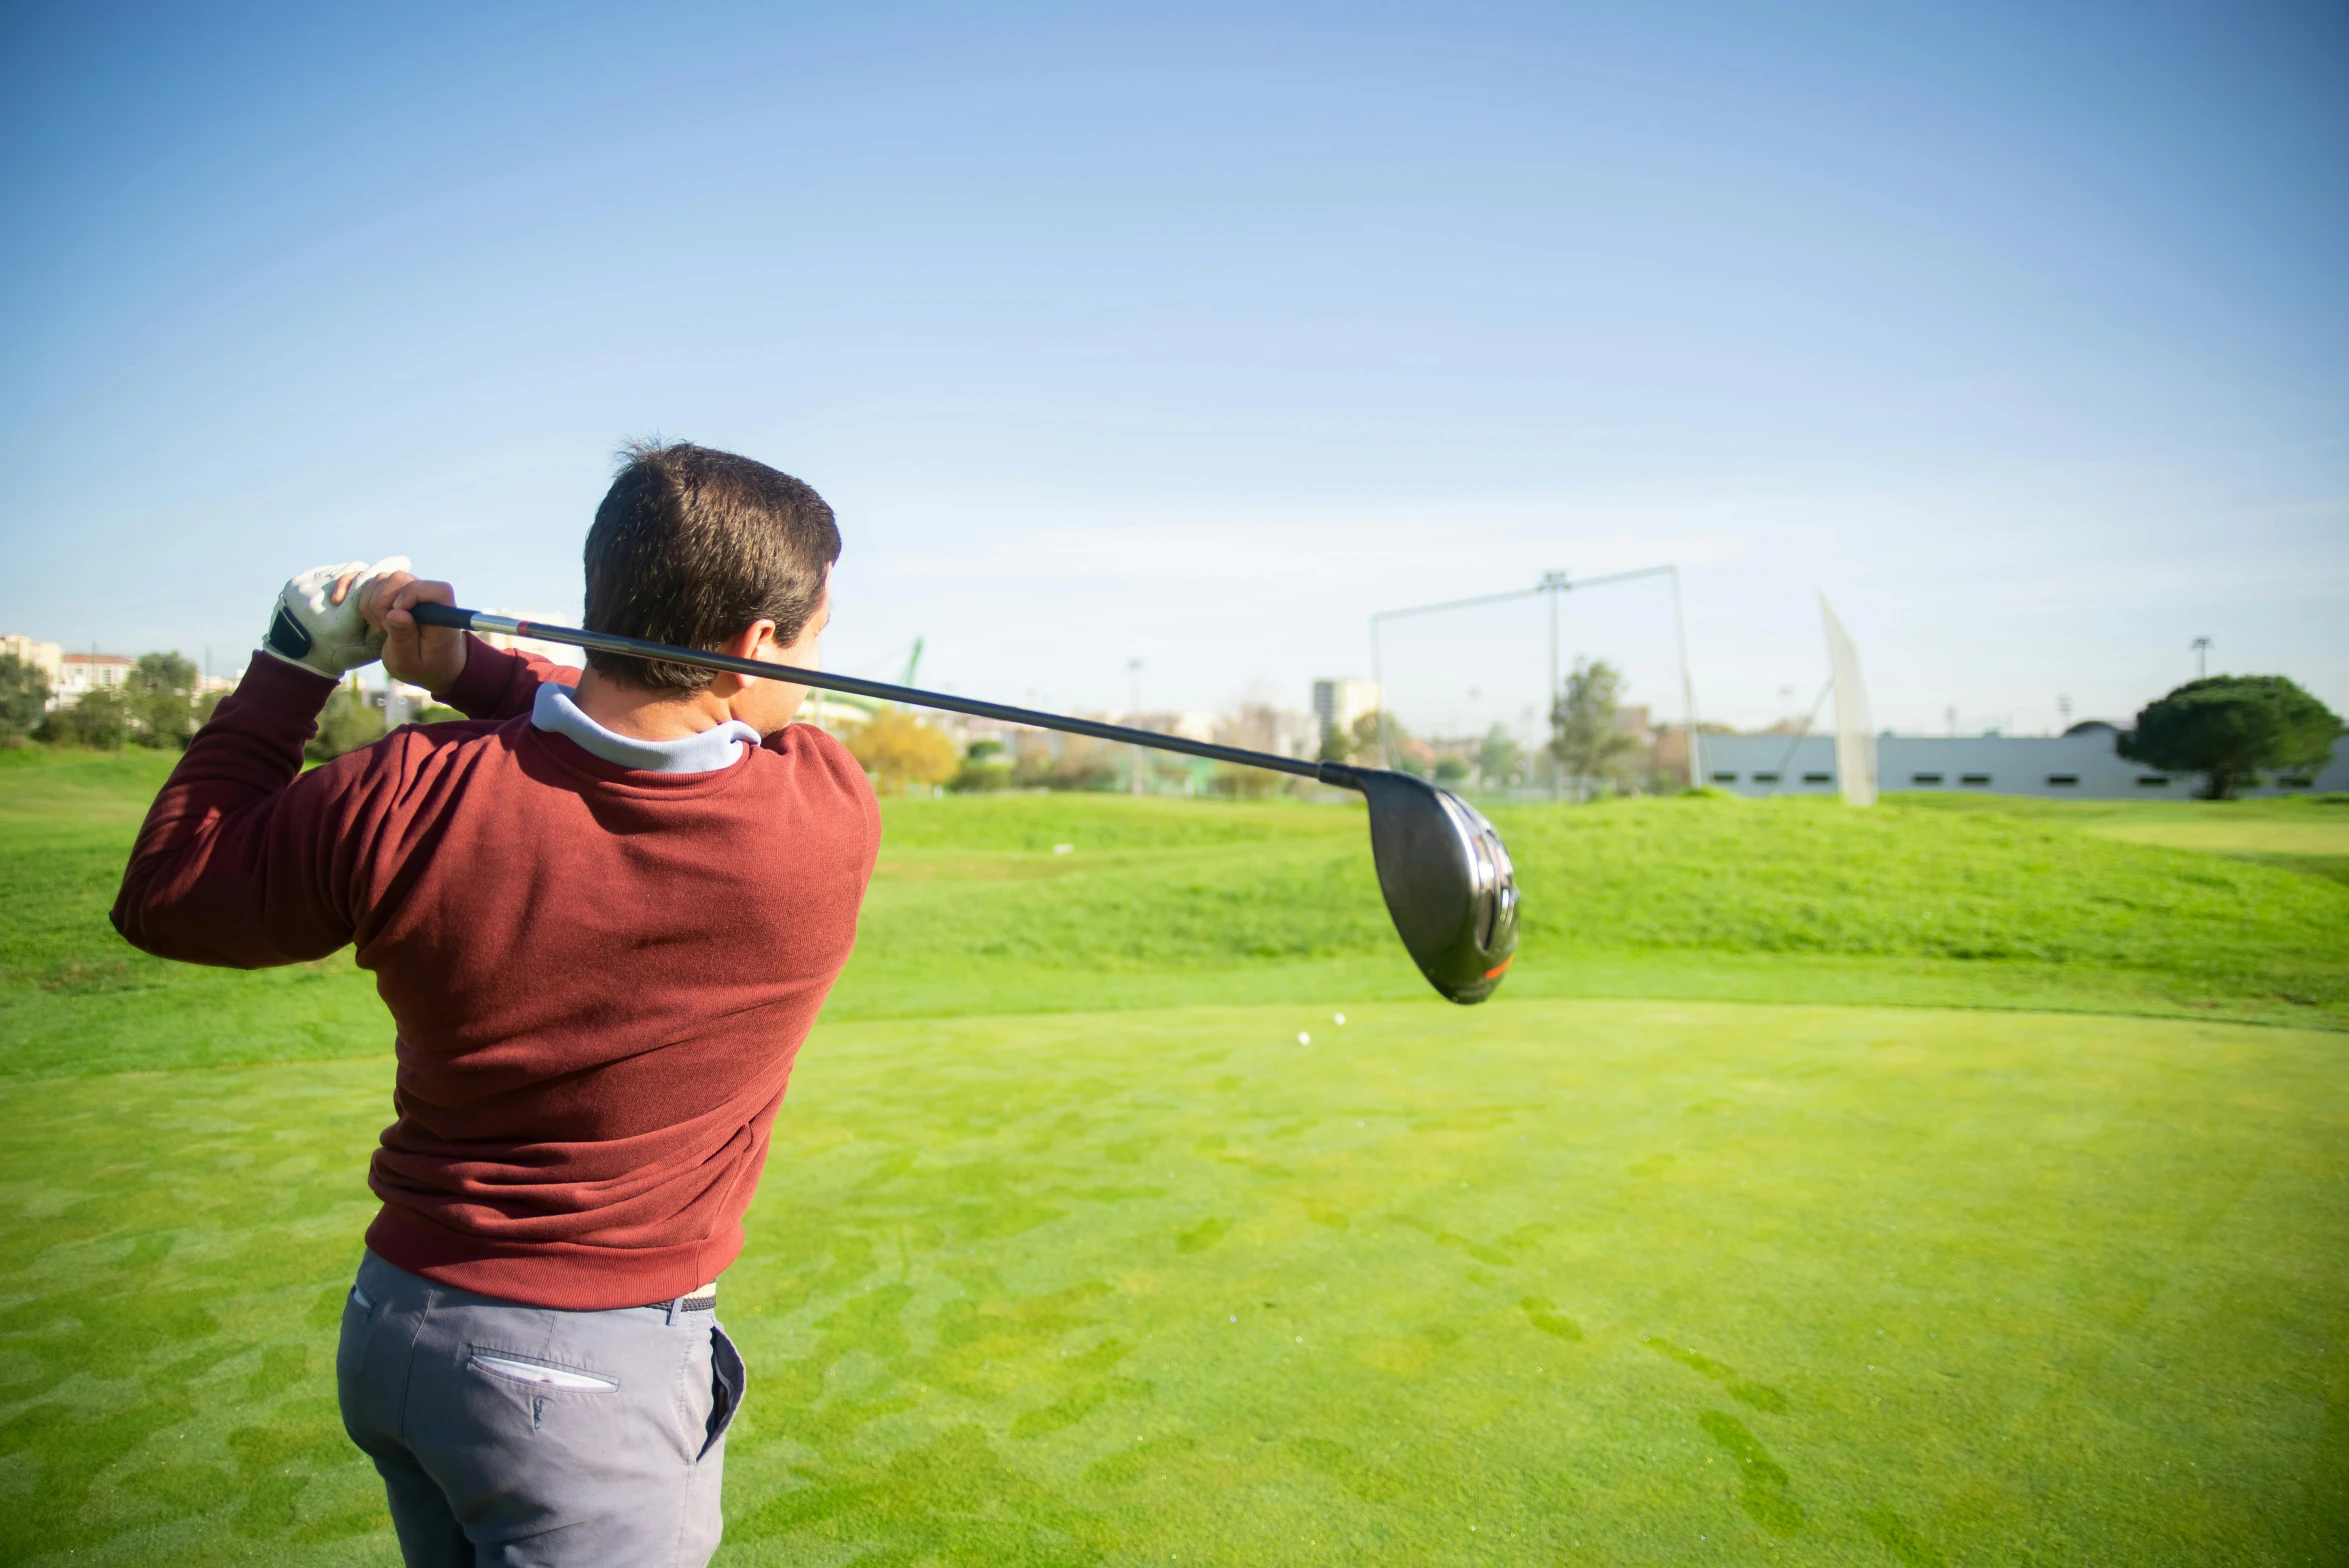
<point>1930,1185</point>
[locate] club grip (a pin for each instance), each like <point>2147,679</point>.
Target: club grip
<point>442,615</point>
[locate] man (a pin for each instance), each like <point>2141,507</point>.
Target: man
<point>603,918</point>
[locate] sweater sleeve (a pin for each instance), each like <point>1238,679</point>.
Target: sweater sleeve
<point>500,683</point>
<point>244,860</point>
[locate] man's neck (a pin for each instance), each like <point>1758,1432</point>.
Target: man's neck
<point>648,715</point>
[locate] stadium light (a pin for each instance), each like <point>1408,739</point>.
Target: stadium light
<point>1555,584</point>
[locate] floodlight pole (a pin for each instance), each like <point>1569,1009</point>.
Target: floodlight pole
<point>1696,775</point>
<point>1553,584</point>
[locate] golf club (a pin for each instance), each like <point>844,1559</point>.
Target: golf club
<point>1449,886</point>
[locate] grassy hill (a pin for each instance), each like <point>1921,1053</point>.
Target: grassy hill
<point>1165,902</point>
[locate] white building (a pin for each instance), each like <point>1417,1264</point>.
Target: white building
<point>79,674</point>
<point>1341,699</point>
<point>2080,764</point>
<point>47,657</point>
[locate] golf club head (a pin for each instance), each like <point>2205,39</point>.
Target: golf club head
<point>1449,886</point>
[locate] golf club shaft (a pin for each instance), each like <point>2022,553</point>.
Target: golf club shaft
<point>1336,773</point>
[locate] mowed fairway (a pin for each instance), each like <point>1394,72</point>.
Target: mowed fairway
<point>1565,1278</point>
<point>1553,1281</point>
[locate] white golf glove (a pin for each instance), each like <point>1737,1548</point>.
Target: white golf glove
<point>310,630</point>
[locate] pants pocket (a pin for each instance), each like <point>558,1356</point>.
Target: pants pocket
<point>538,1374</point>
<point>729,1381</point>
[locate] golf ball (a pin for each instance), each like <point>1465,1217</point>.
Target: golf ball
<point>1304,1039</point>
<point>1337,1018</point>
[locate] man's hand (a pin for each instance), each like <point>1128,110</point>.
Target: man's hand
<point>428,656</point>
<point>317,624</point>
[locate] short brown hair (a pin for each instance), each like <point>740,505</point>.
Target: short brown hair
<point>690,546</point>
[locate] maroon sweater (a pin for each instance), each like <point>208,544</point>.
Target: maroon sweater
<point>599,976</point>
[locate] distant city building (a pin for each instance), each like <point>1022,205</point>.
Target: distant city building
<point>79,674</point>
<point>47,657</point>
<point>2083,763</point>
<point>1339,700</point>
<point>72,676</point>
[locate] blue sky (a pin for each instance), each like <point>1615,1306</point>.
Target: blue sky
<point>1194,335</point>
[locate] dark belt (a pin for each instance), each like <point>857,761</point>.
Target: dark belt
<point>706,1303</point>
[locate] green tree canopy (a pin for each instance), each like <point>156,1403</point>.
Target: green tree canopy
<point>1367,746</point>
<point>1584,736</point>
<point>2230,728</point>
<point>160,696</point>
<point>1498,757</point>
<point>24,693</point>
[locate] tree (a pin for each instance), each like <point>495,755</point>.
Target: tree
<point>1450,770</point>
<point>349,722</point>
<point>160,692</point>
<point>1583,734</point>
<point>2229,728</point>
<point>1376,737</point>
<point>1497,758</point>
<point>24,694</point>
<point>897,749</point>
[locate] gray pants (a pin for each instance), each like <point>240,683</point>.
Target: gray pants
<point>512,1435</point>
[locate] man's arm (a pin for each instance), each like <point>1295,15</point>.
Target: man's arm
<point>243,861</point>
<point>236,863</point>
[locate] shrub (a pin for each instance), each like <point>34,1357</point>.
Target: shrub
<point>898,749</point>
<point>984,767</point>
<point>100,719</point>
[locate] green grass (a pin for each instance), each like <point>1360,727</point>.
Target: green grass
<point>1170,903</point>
<point>1549,1281</point>
<point>1069,1253</point>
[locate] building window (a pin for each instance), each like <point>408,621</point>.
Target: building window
<point>1724,778</point>
<point>2153,781</point>
<point>1924,778</point>
<point>1978,780</point>
<point>2062,780</point>
<point>1818,778</point>
<point>1765,778</point>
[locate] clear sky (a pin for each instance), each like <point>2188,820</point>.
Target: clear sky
<point>1196,334</point>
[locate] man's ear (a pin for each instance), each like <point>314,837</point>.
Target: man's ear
<point>755,641</point>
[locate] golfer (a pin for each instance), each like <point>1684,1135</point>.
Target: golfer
<point>603,917</point>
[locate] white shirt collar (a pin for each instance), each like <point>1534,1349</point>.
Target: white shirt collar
<point>553,710</point>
